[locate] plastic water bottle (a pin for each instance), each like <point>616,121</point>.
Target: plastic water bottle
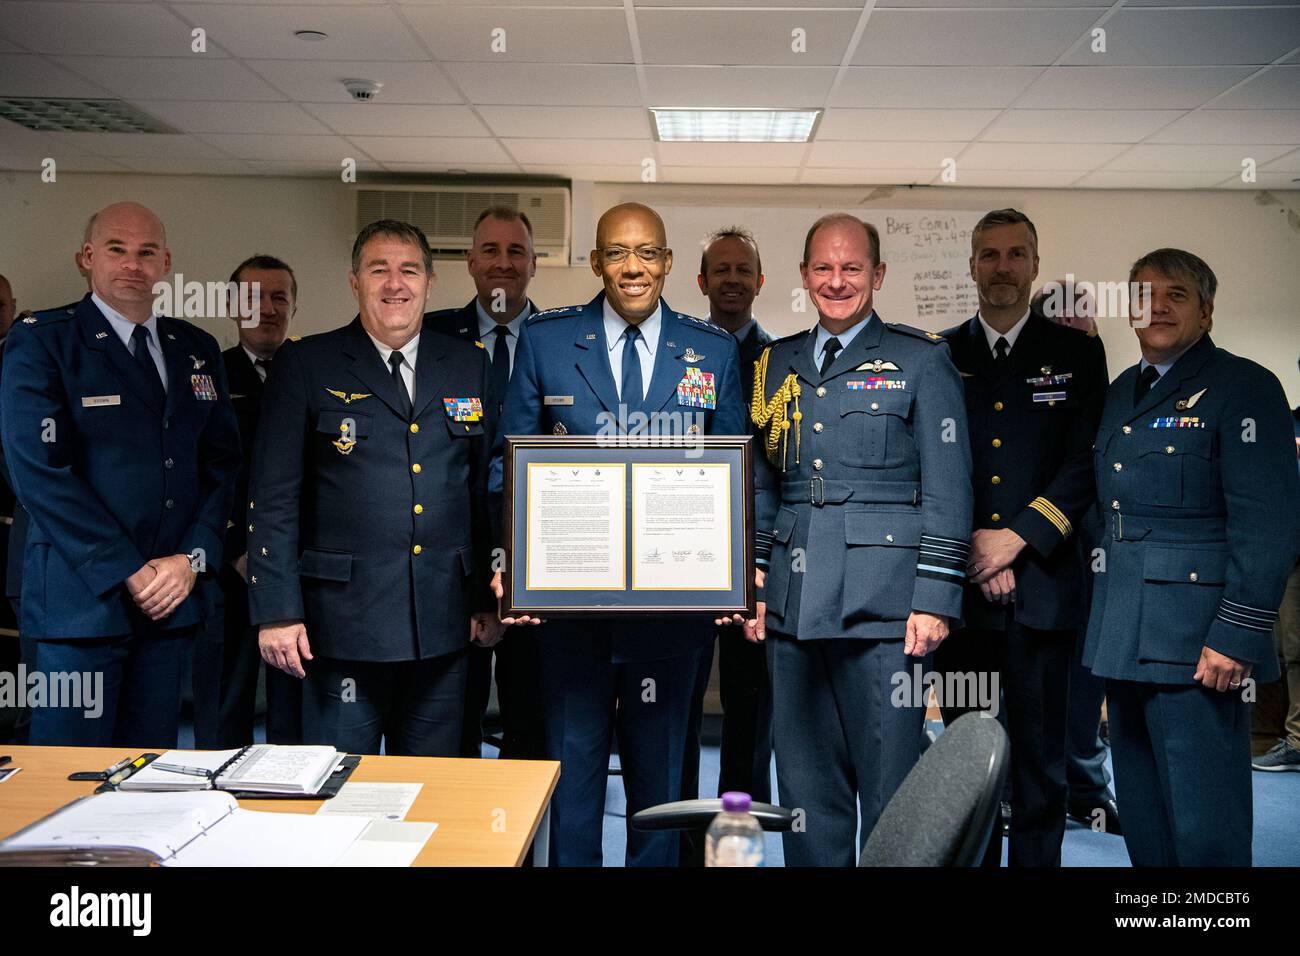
<point>735,837</point>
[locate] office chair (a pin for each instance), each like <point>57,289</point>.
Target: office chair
<point>941,815</point>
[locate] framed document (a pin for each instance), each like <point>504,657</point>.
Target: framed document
<point>602,526</point>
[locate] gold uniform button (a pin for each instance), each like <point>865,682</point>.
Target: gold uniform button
<point>875,406</point>
<point>997,443</point>
<point>817,427</point>
<point>995,517</point>
<point>817,464</point>
<point>343,427</point>
<point>417,549</point>
<point>418,509</point>
<point>1118,467</point>
<point>414,428</point>
<point>996,479</point>
<point>1192,576</point>
<point>821,391</point>
<point>997,406</point>
<point>416,468</point>
<point>1114,505</point>
<point>1128,429</point>
<point>1051,404</point>
<point>1169,449</point>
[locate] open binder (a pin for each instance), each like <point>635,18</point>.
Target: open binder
<point>255,771</point>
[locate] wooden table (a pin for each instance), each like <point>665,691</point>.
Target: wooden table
<point>487,811</point>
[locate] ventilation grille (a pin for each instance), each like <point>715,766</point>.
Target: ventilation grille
<point>447,214</point>
<point>79,116</point>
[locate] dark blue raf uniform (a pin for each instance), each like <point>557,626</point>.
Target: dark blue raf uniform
<point>519,694</point>
<point>1033,415</point>
<point>368,522</point>
<point>115,471</point>
<point>1197,482</point>
<point>593,671</point>
<point>872,521</point>
<point>227,661</point>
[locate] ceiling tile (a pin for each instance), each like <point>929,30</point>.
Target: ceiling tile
<point>15,139</point>
<point>916,4</point>
<point>31,75</point>
<point>304,168</point>
<point>385,119</point>
<point>127,29</point>
<point>527,36</point>
<point>917,125</point>
<point>745,36</point>
<point>545,152</point>
<point>561,122</point>
<point>542,84</point>
<point>883,155</point>
<point>1041,156</point>
<point>267,31</point>
<point>187,78</point>
<point>321,81</point>
<point>7,47</point>
<point>956,37</point>
<point>1275,88</point>
<point>210,117</point>
<point>473,169</point>
<point>72,163</point>
<point>194,166</point>
<point>1264,180</point>
<point>315,149</point>
<point>593,173</point>
<point>1139,88</point>
<point>1083,126</point>
<point>739,86</point>
<point>954,87</point>
<point>1173,36</point>
<point>1234,126</point>
<point>1208,159</point>
<point>868,177</point>
<point>431,149</point>
<point>756,175</point>
<point>731,154</point>
<point>1118,179</point>
<point>1017,178</point>
<point>643,5</point>
<point>114,145</point>
<point>1287,163</point>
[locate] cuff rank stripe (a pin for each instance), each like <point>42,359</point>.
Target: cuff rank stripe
<point>1243,615</point>
<point>1052,514</point>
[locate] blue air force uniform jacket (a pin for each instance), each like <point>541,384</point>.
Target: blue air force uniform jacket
<point>111,477</point>
<point>869,505</point>
<point>369,526</point>
<point>1031,429</point>
<point>562,353</point>
<point>1197,486</point>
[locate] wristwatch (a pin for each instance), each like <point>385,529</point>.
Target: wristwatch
<point>197,561</point>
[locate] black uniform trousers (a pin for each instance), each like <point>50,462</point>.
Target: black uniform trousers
<point>1186,749</point>
<point>1033,667</point>
<point>227,662</point>
<point>519,697</point>
<point>1086,778</point>
<point>842,746</point>
<point>414,707</point>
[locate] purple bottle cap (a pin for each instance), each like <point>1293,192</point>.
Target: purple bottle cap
<point>733,801</point>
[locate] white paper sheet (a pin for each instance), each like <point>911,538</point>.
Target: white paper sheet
<point>576,526</point>
<point>260,838</point>
<point>375,801</point>
<point>681,527</point>
<point>388,843</point>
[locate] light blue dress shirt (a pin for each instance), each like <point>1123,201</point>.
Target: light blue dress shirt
<point>845,337</point>
<point>487,325</point>
<point>124,327</point>
<point>646,345</point>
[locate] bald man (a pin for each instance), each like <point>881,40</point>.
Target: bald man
<point>122,445</point>
<point>596,369</point>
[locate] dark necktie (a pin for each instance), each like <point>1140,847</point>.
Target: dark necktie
<point>633,392</point>
<point>403,396</point>
<point>263,366</point>
<point>140,341</point>
<point>831,350</point>
<point>1150,375</point>
<point>1000,349</point>
<point>501,362</point>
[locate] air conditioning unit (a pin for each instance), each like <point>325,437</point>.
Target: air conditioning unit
<point>447,214</point>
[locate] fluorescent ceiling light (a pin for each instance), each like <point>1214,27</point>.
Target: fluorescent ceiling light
<point>734,126</point>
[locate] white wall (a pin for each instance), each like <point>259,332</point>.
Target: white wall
<point>1251,239</point>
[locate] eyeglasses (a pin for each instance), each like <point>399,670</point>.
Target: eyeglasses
<point>647,254</point>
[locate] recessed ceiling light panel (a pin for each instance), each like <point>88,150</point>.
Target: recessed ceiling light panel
<point>679,125</point>
<point>56,115</point>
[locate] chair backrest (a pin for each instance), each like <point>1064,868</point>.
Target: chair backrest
<point>943,812</point>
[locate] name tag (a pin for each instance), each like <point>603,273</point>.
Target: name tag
<point>696,389</point>
<point>98,401</point>
<point>557,400</point>
<point>1049,396</point>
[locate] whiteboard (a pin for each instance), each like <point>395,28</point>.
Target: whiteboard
<point>926,255</point>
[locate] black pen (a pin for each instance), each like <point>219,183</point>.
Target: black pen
<point>5,759</point>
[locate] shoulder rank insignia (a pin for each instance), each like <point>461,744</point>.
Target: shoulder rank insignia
<point>1183,404</point>
<point>98,335</point>
<point>295,338</point>
<point>591,336</point>
<point>479,344</point>
<point>30,320</point>
<point>933,336</point>
<point>692,356</point>
<point>879,365</point>
<point>348,397</point>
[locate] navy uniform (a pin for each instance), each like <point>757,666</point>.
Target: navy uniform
<point>1197,484</point>
<point>873,467</point>
<point>115,468</point>
<point>518,692</point>
<point>592,671</point>
<point>1033,415</point>
<point>369,523</point>
<point>227,661</point>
